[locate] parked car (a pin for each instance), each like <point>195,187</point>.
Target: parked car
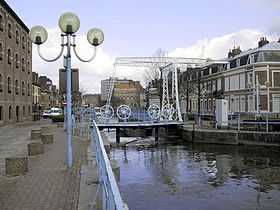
<point>55,112</point>
<point>46,114</point>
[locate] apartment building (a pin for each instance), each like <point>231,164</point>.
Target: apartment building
<point>249,80</point>
<point>15,67</point>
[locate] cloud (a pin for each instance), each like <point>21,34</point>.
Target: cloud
<point>102,66</point>
<point>275,4</point>
<point>218,47</point>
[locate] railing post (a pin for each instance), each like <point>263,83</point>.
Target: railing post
<point>238,119</point>
<point>267,123</point>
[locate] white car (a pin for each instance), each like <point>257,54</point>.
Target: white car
<point>46,113</point>
<point>55,112</point>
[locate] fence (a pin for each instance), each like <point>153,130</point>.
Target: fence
<point>111,198</point>
<point>247,121</point>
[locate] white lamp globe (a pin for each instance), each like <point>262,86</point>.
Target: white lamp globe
<point>95,36</point>
<point>69,23</point>
<point>38,35</point>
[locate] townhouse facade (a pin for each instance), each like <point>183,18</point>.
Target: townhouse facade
<point>15,68</point>
<point>249,81</point>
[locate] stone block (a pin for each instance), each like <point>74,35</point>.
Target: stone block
<point>47,138</point>
<point>16,166</point>
<point>35,134</point>
<point>47,129</point>
<point>35,148</point>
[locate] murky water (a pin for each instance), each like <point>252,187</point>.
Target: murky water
<point>200,177</point>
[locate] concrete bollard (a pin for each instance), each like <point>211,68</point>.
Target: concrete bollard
<point>35,134</point>
<point>47,138</point>
<point>35,148</point>
<point>16,166</point>
<point>116,170</point>
<point>46,129</point>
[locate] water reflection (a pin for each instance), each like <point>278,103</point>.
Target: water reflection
<point>200,177</point>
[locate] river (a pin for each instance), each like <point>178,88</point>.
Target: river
<point>199,177</point>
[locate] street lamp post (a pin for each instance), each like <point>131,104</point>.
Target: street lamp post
<point>69,24</point>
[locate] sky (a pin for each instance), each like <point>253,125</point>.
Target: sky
<point>182,28</point>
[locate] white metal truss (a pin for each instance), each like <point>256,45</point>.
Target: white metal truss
<point>175,113</point>
<point>169,111</point>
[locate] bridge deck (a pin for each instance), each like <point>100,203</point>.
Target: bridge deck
<point>138,124</point>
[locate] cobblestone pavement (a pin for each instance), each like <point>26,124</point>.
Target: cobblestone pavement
<point>49,185</point>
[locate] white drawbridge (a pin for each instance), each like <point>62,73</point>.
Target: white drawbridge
<point>170,106</point>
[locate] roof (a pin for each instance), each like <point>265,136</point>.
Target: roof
<point>11,11</point>
<point>271,46</point>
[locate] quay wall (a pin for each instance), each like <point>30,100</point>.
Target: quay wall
<point>230,137</point>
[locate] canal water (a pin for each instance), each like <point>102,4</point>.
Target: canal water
<point>199,177</point>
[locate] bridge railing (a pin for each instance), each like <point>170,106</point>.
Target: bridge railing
<point>111,198</point>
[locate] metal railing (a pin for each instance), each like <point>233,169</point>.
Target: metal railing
<point>245,121</point>
<point>111,198</point>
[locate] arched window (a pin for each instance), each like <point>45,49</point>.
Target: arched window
<point>22,64</point>
<point>16,87</point>
<point>1,23</point>
<point>28,47</point>
<point>28,89</point>
<point>17,37</point>
<point>23,42</point>
<point>9,85</point>
<point>9,56</point>
<point>9,30</point>
<point>1,51</point>
<point>22,88</point>
<point>1,83</point>
<point>17,61</point>
<point>28,67</point>
<point>10,112</point>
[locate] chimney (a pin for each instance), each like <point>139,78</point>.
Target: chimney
<point>230,53</point>
<point>263,41</point>
<point>236,51</point>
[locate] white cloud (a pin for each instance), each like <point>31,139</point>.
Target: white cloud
<point>102,66</point>
<point>275,4</point>
<point>218,47</point>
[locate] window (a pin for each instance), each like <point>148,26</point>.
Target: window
<point>9,56</point>
<point>22,88</point>
<point>28,89</point>
<point>22,64</point>
<point>10,112</point>
<point>29,110</point>
<point>242,81</point>
<point>17,61</point>
<point>28,67</point>
<point>1,23</point>
<point>28,47</point>
<point>16,87</point>
<point>233,64</point>
<point>276,79</point>
<point>1,113</point>
<point>23,110</point>
<point>17,37</point>
<point>9,85</point>
<point>23,42</point>
<point>1,51</point>
<point>9,30</point>
<point>1,83</point>
<point>272,56</point>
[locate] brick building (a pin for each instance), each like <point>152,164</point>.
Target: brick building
<point>15,67</point>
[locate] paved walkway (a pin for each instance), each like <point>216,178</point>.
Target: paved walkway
<point>49,185</point>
